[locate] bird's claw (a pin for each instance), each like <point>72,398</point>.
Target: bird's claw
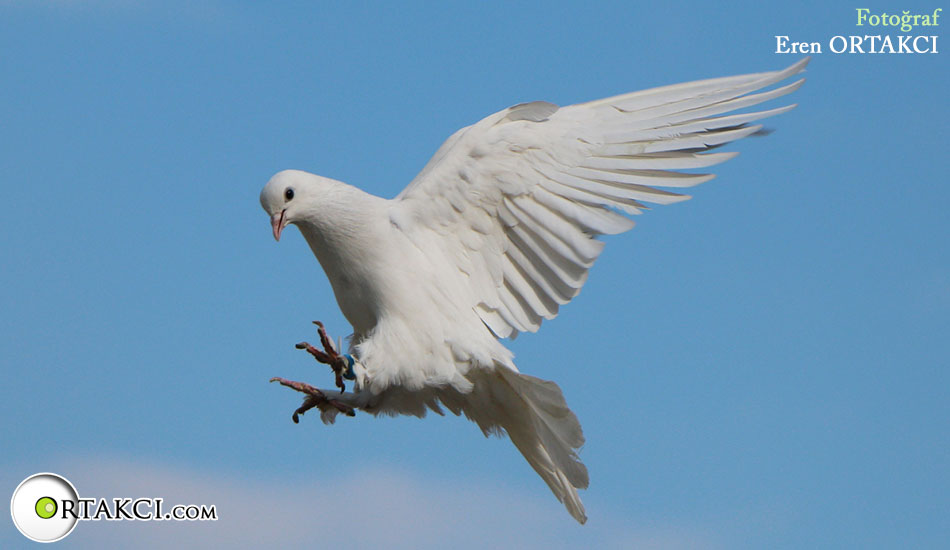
<point>328,356</point>
<point>315,398</point>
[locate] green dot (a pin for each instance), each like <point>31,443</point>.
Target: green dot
<point>46,507</point>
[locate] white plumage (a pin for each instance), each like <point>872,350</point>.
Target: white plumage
<point>492,237</point>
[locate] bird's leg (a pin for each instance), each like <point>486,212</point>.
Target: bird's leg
<point>315,398</point>
<point>329,356</point>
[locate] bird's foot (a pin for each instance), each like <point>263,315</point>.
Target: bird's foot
<point>338,363</point>
<point>315,398</point>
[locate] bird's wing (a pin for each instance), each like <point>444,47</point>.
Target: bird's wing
<point>517,200</point>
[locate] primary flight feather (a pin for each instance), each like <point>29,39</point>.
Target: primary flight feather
<point>490,239</point>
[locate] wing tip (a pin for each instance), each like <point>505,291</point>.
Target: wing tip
<point>800,65</point>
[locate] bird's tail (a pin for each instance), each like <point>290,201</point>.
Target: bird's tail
<point>535,416</point>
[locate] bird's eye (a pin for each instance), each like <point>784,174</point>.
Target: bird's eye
<point>289,194</point>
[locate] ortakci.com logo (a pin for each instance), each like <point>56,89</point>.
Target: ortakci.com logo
<point>46,507</point>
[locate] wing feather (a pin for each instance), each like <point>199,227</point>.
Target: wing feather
<point>518,200</point>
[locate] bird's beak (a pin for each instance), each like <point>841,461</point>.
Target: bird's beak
<point>277,223</point>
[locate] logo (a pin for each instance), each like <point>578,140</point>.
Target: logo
<point>46,507</point>
<point>35,504</point>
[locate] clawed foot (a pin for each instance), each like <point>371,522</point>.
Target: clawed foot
<point>315,398</point>
<point>329,356</point>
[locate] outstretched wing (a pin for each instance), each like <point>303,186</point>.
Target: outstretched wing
<point>518,199</point>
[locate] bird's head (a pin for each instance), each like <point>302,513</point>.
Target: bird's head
<point>291,196</point>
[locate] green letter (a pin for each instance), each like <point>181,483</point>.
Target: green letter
<point>862,16</point>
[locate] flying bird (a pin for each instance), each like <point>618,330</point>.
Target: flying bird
<point>495,234</point>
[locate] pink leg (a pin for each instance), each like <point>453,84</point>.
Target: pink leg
<point>329,356</point>
<point>315,398</point>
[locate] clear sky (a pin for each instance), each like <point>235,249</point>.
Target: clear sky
<point>764,366</point>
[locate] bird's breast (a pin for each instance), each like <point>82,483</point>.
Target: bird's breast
<point>360,271</point>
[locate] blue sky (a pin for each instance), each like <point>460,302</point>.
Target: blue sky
<point>764,366</point>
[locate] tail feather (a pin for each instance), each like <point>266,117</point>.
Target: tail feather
<point>557,429</point>
<point>536,418</point>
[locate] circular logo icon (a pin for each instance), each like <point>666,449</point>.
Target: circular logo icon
<point>37,507</point>
<point>46,507</point>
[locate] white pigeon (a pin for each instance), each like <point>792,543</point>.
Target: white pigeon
<point>491,238</point>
